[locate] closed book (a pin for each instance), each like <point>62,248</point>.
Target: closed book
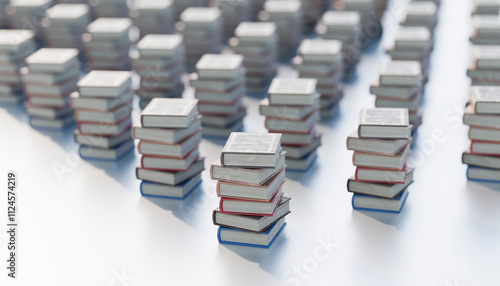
<point>485,99</point>
<point>115,153</point>
<point>170,177</point>
<point>292,125</point>
<point>164,135</point>
<point>302,164</point>
<point>170,191</point>
<point>485,148</point>
<point>214,84</point>
<point>292,91</point>
<point>401,73</point>
<point>251,223</point>
<point>251,207</point>
<point>380,176</point>
<point>251,150</point>
<point>105,84</point>
<point>299,152</point>
<point>245,175</point>
<point>244,238</point>
<point>485,161</point>
<point>221,97</point>
<point>105,128</point>
<point>480,120</point>
<point>112,116</point>
<point>52,123</point>
<point>169,163</point>
<point>286,111</point>
<point>224,121</point>
<point>401,92</point>
<point>219,66</point>
<point>100,141</point>
<point>173,150</point>
<point>262,192</point>
<point>377,189</point>
<point>369,203</point>
<point>222,131</point>
<point>169,113</point>
<point>379,146</point>
<point>382,161</point>
<point>483,174</point>
<point>99,104</point>
<point>298,139</point>
<point>47,112</point>
<point>384,123</point>
<point>484,134</point>
<point>224,109</point>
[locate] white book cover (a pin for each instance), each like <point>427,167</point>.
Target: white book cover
<point>255,30</point>
<point>219,62</point>
<point>104,79</point>
<point>384,117</point>
<point>253,143</point>
<point>178,107</point>
<point>401,68</point>
<point>293,86</point>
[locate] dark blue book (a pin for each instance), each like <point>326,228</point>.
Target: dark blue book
<point>263,239</point>
<point>369,203</point>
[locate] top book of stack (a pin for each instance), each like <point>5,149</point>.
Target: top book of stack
<point>104,84</point>
<point>172,113</point>
<point>385,123</point>
<point>251,150</point>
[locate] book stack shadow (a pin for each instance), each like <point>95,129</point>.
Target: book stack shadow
<point>381,148</point>
<point>169,136</point>
<point>251,175</point>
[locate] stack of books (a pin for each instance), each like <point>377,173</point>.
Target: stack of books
<point>371,12</point>
<point>421,14</point>
<point>109,8</point>
<point>107,44</point>
<point>251,175</point>
<point>182,5</point>
<point>486,30</point>
<point>311,12</point>
<point>103,106</point>
<point>65,24</point>
<point>233,13</point>
<point>202,31</point>
<point>256,6</point>
<point>27,14</point>
<point>160,63</point>
<point>322,60</point>
<point>219,84</point>
<point>15,46</point>
<point>412,44</point>
<point>153,16</point>
<point>400,85</point>
<point>292,109</point>
<point>287,15</point>
<point>483,116</point>
<point>257,42</point>
<point>486,7</point>
<point>485,66</point>
<point>49,79</point>
<point>381,148</point>
<point>169,135</point>
<point>346,27</point>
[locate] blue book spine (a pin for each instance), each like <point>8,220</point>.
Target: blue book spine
<point>249,244</point>
<point>479,180</point>
<point>379,210</point>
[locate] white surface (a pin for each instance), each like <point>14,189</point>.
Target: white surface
<point>90,224</point>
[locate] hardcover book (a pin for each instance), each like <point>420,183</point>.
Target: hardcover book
<point>251,150</point>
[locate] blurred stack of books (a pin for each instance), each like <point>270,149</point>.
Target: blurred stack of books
<point>65,24</point>
<point>153,16</point>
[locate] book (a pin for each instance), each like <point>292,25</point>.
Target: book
<point>104,84</point>
<point>52,60</point>
<point>378,146</point>
<point>298,91</point>
<point>486,99</point>
<point>384,123</point>
<point>115,153</point>
<point>170,150</point>
<point>484,134</point>
<point>263,192</point>
<point>486,56</point>
<point>244,238</point>
<point>369,175</point>
<point>99,104</point>
<point>157,46</point>
<point>222,109</point>
<point>402,92</point>
<point>169,113</point>
<point>100,141</point>
<point>379,189</point>
<point>368,203</point>
<point>170,177</point>
<point>480,120</point>
<point>220,85</point>
<point>302,164</point>
<point>251,223</point>
<point>52,123</point>
<point>169,163</point>
<point>245,175</point>
<point>251,150</point>
<point>179,191</point>
<point>401,73</point>
<point>292,125</point>
<point>485,148</point>
<point>46,112</point>
<point>105,128</point>
<point>219,66</point>
<point>298,152</point>
<point>223,131</point>
<point>286,111</point>
<point>43,78</point>
<point>382,161</point>
<point>164,135</point>
<point>224,121</point>
<point>321,51</point>
<point>483,174</point>
<point>491,162</point>
<point>298,139</point>
<point>250,207</point>
<point>112,116</point>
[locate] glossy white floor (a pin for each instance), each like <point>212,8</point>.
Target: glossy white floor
<point>89,225</point>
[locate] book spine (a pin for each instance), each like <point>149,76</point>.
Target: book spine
<point>214,213</point>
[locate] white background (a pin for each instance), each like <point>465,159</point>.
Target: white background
<point>90,225</point>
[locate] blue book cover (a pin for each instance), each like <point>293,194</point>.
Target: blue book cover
<point>181,185</point>
<point>248,244</point>
<point>398,198</point>
<point>470,168</point>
